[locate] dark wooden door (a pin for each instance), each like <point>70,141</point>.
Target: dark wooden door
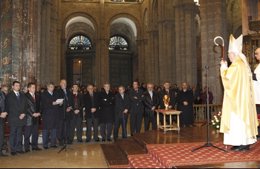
<point>80,68</point>
<point>120,69</point>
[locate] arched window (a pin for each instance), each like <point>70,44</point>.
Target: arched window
<point>80,42</point>
<point>118,43</point>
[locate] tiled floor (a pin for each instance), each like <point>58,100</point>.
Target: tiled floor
<point>77,156</point>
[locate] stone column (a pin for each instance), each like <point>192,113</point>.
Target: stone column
<point>1,48</point>
<point>50,43</point>
<point>104,56</point>
<point>54,43</point>
<point>31,50</point>
<point>186,60</point>
<point>166,34</point>
<point>156,57</point>
<point>18,39</point>
<point>5,42</point>
<point>148,61</point>
<point>37,38</point>
<point>45,40</point>
<point>102,53</point>
<point>141,61</point>
<point>213,23</point>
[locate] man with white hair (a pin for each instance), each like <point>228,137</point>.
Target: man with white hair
<point>239,119</point>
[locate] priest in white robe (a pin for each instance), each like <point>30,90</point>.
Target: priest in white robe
<point>239,118</point>
<point>256,78</point>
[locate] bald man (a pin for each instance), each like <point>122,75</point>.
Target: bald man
<point>151,102</point>
<point>185,104</point>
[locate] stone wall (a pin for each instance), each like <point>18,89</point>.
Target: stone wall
<point>170,42</point>
<point>101,14</point>
<point>50,58</point>
<point>17,44</point>
<point>6,41</point>
<point>34,39</point>
<point>213,23</point>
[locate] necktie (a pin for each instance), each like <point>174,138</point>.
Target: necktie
<point>151,95</point>
<point>92,100</point>
<point>18,95</point>
<point>75,101</point>
<point>65,92</point>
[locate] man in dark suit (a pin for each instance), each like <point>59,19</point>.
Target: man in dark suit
<point>171,94</point>
<point>3,115</point>
<point>185,104</point>
<point>78,105</point>
<point>32,115</point>
<point>65,115</point>
<point>136,108</point>
<point>107,103</point>
<point>151,102</point>
<point>16,106</point>
<point>49,109</point>
<point>122,105</point>
<point>92,107</point>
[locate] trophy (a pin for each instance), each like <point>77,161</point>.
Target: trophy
<point>166,101</point>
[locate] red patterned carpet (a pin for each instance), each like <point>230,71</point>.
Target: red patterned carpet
<point>144,161</point>
<point>179,154</point>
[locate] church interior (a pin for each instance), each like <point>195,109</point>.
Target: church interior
<point>121,41</point>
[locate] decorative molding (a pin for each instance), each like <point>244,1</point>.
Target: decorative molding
<point>254,26</point>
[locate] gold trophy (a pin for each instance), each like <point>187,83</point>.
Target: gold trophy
<point>166,101</point>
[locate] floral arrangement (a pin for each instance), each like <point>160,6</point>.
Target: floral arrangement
<point>215,122</point>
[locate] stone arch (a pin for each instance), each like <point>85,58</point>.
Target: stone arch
<point>80,19</point>
<point>133,22</point>
<point>122,63</point>
<point>80,28</point>
<point>154,13</point>
<point>145,19</point>
<point>73,25</point>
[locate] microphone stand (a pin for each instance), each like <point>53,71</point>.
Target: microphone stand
<point>208,143</point>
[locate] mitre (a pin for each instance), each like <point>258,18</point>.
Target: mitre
<point>235,45</point>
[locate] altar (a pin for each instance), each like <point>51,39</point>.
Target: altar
<point>171,126</point>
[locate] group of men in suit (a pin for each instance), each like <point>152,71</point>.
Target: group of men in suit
<point>23,112</point>
<point>62,110</point>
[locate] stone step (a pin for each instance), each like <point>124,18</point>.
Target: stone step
<point>114,155</point>
<point>131,147</point>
